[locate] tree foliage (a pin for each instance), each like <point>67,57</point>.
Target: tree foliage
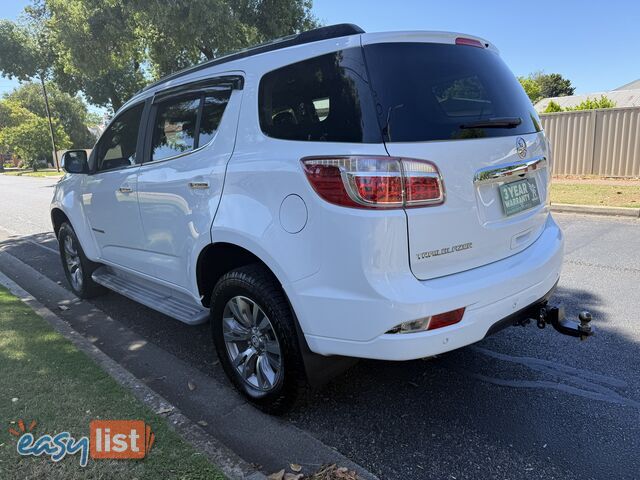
<point>587,104</point>
<point>553,107</point>
<point>110,49</point>
<point>98,50</point>
<point>18,56</point>
<point>531,88</point>
<point>210,28</point>
<point>26,134</point>
<point>554,85</point>
<point>26,50</point>
<point>594,103</point>
<point>541,85</point>
<point>71,112</point>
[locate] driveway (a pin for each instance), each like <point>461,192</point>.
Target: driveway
<point>523,403</point>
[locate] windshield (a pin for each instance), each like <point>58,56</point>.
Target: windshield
<point>433,91</point>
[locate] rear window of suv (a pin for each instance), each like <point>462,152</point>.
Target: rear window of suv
<point>322,99</point>
<point>432,91</point>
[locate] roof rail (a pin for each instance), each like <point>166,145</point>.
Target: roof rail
<point>322,33</point>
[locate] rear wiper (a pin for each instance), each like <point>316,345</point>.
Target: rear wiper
<point>496,122</point>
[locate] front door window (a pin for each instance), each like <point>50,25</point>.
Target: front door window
<point>117,146</point>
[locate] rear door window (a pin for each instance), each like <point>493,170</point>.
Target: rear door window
<point>175,128</point>
<point>322,99</point>
<point>212,110</point>
<point>186,123</point>
<point>433,91</point>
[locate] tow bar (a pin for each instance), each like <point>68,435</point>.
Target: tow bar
<point>556,318</point>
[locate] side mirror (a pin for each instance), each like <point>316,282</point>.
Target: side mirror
<point>75,161</point>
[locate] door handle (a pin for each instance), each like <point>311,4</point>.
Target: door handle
<point>125,189</point>
<point>199,185</point>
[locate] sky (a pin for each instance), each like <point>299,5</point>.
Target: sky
<point>595,44</point>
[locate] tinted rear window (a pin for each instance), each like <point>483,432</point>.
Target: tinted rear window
<point>427,91</point>
<point>325,98</point>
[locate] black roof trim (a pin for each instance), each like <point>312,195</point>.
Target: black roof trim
<point>322,33</point>
<point>230,82</point>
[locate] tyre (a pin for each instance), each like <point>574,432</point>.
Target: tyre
<point>255,336</point>
<point>77,267</point>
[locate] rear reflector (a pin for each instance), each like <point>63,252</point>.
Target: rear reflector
<point>472,42</point>
<point>429,323</point>
<point>446,319</point>
<point>375,182</point>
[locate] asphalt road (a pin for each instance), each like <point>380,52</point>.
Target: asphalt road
<point>523,403</point>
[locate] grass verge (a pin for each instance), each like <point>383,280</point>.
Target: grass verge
<point>46,379</point>
<point>31,173</point>
<point>594,194</point>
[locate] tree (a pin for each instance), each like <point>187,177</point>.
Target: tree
<point>531,88</point>
<point>70,112</point>
<point>553,85</point>
<point>98,49</point>
<point>26,134</point>
<point>210,28</point>
<point>541,85</point>
<point>18,58</point>
<point>110,49</point>
<point>28,54</point>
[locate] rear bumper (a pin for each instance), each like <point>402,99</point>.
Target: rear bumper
<point>356,326</point>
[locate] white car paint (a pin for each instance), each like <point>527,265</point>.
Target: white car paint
<point>349,273</point>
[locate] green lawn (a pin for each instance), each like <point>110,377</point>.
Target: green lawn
<point>594,194</point>
<point>43,377</point>
<point>31,173</point>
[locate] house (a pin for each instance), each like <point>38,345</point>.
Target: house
<point>627,95</point>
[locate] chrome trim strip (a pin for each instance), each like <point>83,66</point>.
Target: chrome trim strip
<point>499,172</point>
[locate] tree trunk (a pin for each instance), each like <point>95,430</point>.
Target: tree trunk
<point>115,101</point>
<point>207,52</point>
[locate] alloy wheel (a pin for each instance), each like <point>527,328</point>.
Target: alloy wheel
<point>252,345</point>
<point>72,260</point>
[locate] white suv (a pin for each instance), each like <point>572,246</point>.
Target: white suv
<point>327,195</point>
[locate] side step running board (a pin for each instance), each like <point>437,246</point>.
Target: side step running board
<point>159,298</point>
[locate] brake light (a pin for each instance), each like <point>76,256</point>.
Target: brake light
<point>446,319</point>
<point>472,42</point>
<point>375,182</point>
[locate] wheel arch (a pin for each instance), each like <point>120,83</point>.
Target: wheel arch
<point>216,259</point>
<point>58,217</point>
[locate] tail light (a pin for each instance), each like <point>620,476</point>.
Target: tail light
<point>375,182</point>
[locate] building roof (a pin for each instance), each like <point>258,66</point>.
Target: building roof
<point>622,98</point>
<point>635,85</point>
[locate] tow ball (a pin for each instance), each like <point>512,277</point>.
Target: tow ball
<point>556,318</point>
